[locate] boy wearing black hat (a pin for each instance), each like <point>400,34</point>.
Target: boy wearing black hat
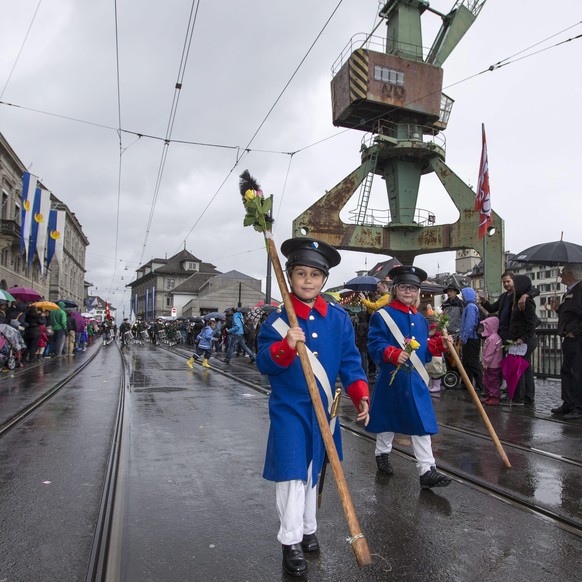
<point>295,450</point>
<point>399,344</point>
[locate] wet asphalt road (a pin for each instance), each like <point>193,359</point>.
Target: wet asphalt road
<point>198,509</point>
<point>52,467</point>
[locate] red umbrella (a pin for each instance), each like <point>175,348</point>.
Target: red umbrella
<point>512,368</point>
<point>25,294</point>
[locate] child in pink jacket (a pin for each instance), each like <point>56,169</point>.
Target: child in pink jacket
<point>491,356</point>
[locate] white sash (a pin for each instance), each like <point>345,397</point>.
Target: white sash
<point>400,339</point>
<point>318,370</point>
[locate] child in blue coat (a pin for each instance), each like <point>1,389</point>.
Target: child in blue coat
<point>295,450</point>
<point>399,344</point>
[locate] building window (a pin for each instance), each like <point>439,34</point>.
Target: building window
<point>388,76</point>
<point>168,302</point>
<point>170,283</point>
<point>192,266</point>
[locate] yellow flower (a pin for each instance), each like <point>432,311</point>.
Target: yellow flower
<point>249,195</point>
<point>410,345</point>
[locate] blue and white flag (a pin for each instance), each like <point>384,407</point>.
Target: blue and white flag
<point>41,220</point>
<point>35,211</point>
<point>28,194</point>
<point>52,241</point>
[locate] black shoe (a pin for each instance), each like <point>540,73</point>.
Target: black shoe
<point>517,402</point>
<point>384,464</point>
<point>310,543</point>
<point>563,409</point>
<point>433,478</point>
<point>252,361</point>
<point>294,562</point>
<point>574,415</point>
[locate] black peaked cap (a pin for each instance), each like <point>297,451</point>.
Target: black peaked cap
<point>311,253</point>
<point>407,274</point>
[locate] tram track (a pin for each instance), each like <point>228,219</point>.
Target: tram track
<point>565,522</point>
<point>33,406</point>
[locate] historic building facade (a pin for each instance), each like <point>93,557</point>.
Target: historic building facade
<point>66,280</point>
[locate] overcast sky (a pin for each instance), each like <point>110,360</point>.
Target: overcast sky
<point>242,55</point>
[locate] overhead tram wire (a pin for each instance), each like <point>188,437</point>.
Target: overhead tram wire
<point>174,109</point>
<point>140,135</point>
<point>247,148</point>
<point>20,51</point>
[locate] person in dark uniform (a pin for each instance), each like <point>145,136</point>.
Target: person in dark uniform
<point>401,402</point>
<point>295,450</point>
<point>570,330</point>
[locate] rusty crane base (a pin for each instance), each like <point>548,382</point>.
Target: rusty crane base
<point>406,241</point>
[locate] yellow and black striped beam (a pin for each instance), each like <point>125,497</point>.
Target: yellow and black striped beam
<point>358,75</point>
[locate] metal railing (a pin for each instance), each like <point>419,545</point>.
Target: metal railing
<point>547,358</point>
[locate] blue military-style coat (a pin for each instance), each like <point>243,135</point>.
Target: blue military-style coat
<point>405,406</point>
<point>294,436</point>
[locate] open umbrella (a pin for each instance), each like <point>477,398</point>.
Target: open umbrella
<point>46,305</point>
<point>25,294</point>
<point>5,296</point>
<point>512,368</point>
<point>363,283</point>
<point>79,320</point>
<point>214,315</point>
<point>554,253</point>
<point>382,269</point>
<point>263,304</point>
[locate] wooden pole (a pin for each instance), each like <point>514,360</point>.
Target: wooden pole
<point>357,539</point>
<point>476,400</point>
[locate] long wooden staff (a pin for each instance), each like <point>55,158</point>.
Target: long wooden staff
<point>476,400</point>
<point>357,539</point>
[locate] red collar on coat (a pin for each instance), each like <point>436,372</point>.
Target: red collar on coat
<point>401,307</point>
<point>302,309</point>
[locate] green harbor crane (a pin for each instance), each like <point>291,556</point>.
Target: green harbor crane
<point>389,88</point>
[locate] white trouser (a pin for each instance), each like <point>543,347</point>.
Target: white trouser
<point>420,444</point>
<point>296,506</point>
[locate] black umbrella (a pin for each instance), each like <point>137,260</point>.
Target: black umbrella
<point>215,315</point>
<point>555,253</point>
<point>363,283</point>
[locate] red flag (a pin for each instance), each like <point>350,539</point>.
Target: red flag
<point>483,199</point>
<point>107,312</point>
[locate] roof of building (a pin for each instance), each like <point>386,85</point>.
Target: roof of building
<point>174,264</point>
<point>194,283</point>
<point>235,275</point>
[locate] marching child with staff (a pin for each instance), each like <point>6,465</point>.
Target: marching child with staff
<point>295,450</point>
<point>398,341</point>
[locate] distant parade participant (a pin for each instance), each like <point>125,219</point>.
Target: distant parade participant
<point>398,341</point>
<point>123,329</point>
<point>137,329</point>
<point>295,450</point>
<point>205,343</point>
<point>237,338</point>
